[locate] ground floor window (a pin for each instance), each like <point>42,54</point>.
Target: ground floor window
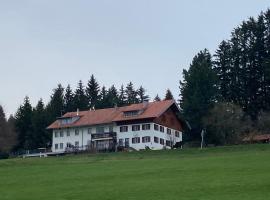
<point>127,142</point>
<point>156,139</point>
<point>177,134</point>
<point>168,143</point>
<point>121,142</point>
<point>161,141</point>
<point>56,146</point>
<point>146,139</point>
<point>77,144</point>
<point>61,146</point>
<point>136,140</point>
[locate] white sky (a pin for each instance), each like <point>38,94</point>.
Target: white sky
<point>148,42</point>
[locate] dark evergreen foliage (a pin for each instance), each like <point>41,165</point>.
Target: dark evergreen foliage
<point>80,98</point>
<point>169,95</point>
<point>142,95</point>
<point>92,92</point>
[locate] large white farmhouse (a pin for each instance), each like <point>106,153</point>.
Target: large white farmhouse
<point>152,125</point>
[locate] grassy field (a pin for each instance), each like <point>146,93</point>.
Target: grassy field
<point>239,172</point>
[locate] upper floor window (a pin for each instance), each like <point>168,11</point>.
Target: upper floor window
<point>61,134</point>
<point>89,130</point>
<point>56,134</point>
<point>156,127</point>
<point>177,134</point>
<point>136,128</point>
<point>68,132</point>
<point>76,131</point>
<point>110,129</point>
<point>136,140</point>
<point>100,129</point>
<point>123,129</point>
<point>68,120</point>
<point>146,139</point>
<point>161,128</point>
<point>146,126</point>
<point>169,131</point>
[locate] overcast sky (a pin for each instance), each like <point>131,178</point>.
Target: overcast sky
<point>148,42</point>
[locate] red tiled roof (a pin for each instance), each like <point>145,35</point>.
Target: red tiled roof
<point>106,116</point>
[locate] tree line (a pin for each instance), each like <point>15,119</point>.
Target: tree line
<point>27,129</point>
<point>229,93</point>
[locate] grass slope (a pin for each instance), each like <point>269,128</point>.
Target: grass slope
<point>240,172</point>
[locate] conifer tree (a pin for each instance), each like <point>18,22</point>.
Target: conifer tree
<point>122,97</point>
<point>169,95</point>
<point>157,98</point>
<point>80,98</point>
<point>198,90</point>
<point>92,92</point>
<point>69,100</point>
<point>142,95</point>
<point>131,94</point>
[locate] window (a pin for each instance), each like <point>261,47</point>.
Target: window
<point>136,140</point>
<point>56,134</point>
<point>89,130</point>
<point>161,129</point>
<point>131,113</point>
<point>136,127</point>
<point>69,145</point>
<point>68,132</point>
<point>77,144</point>
<point>169,131</point>
<point>100,129</point>
<point>146,126</point>
<point>177,134</point>
<point>123,129</point>
<point>56,146</point>
<point>61,134</point>
<point>61,145</point>
<point>110,129</point>
<point>161,141</point>
<point>76,131</point>
<point>156,139</point>
<point>146,139</point>
<point>168,143</point>
<point>156,127</point>
<point>127,142</point>
<point>121,142</point>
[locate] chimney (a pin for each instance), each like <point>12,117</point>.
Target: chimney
<point>145,104</point>
<point>78,111</point>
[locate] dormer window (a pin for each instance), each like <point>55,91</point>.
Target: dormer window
<point>68,120</point>
<point>131,113</point>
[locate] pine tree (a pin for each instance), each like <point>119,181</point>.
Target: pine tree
<point>142,96</point>
<point>92,92</point>
<point>198,90</point>
<point>169,95</point>
<point>131,94</point>
<point>80,98</point>
<point>24,125</point>
<point>69,100</point>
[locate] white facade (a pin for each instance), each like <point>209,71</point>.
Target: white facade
<point>130,136</point>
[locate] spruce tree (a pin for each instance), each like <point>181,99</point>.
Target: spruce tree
<point>24,125</point>
<point>142,95</point>
<point>69,100</point>
<point>92,92</point>
<point>122,97</point>
<point>169,95</point>
<point>198,91</point>
<point>80,98</point>
<point>131,94</point>
<point>157,98</point>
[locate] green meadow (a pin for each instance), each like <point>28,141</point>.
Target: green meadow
<point>221,173</point>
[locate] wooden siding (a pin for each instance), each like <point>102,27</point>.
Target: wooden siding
<point>169,119</point>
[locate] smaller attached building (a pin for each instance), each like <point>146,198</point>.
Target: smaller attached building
<point>153,125</point>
